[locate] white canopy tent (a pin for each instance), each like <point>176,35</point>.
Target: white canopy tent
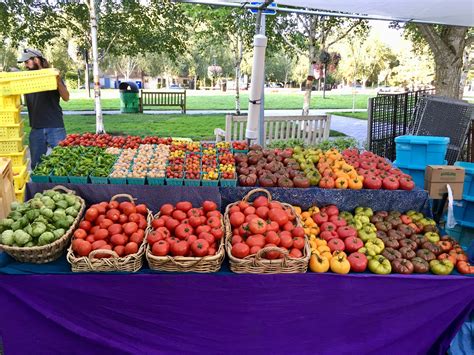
<point>452,12</point>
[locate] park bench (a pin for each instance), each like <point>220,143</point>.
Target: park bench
<point>163,98</point>
<point>310,129</point>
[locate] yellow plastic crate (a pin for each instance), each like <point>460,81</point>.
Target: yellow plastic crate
<point>10,102</point>
<point>27,82</point>
<point>12,145</point>
<point>10,116</point>
<point>20,176</point>
<point>20,194</point>
<point>18,159</point>
<point>11,131</point>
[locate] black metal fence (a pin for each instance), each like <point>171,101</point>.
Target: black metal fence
<point>389,117</point>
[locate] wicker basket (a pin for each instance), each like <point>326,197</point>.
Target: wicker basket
<point>50,252</point>
<point>255,264</point>
<point>205,264</point>
<point>129,263</point>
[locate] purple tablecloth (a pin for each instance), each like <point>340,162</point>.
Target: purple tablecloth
<point>232,314</point>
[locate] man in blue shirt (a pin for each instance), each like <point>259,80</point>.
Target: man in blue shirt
<point>44,111</point>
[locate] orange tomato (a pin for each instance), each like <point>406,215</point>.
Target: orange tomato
<point>342,183</point>
<point>355,184</point>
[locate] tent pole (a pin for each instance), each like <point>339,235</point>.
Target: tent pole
<point>261,121</point>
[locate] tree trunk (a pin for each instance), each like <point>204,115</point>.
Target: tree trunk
<point>448,78</point>
<point>309,80</point>
<point>88,80</point>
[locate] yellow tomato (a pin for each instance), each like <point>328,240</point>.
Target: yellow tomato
<point>340,265</point>
<point>318,263</point>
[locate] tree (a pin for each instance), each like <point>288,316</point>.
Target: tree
<point>450,47</point>
<point>309,35</point>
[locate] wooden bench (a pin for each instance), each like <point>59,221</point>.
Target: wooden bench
<point>310,129</point>
<point>163,98</point>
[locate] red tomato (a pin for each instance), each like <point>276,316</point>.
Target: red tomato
<point>166,209</point>
<point>250,217</point>
<point>76,243</point>
<point>128,208</point>
<point>179,215</point>
<point>237,219</point>
<point>90,238</point>
<point>201,229</point>
<point>212,251</point>
<point>240,250</point>
<point>244,230</point>
<point>243,205</point>
<point>118,239</point>
<point>209,206</point>
<point>289,226</point>
<point>86,225</point>
<point>158,222</point>
<point>171,224</point>
<point>134,217</point>
<point>120,250</point>
<point>255,249</point>
<point>213,214</point>
<point>262,212</point>
<point>258,226</point>
<point>275,204</point>
<point>298,232</point>
<point>273,226</point>
<point>154,237</point>
<point>100,208</point>
<point>165,231</point>
<point>260,201</point>
<point>130,228</point>
<point>136,237</point>
<point>272,237</point>
<point>298,243</point>
<point>207,236</point>
<point>180,248</point>
<point>99,219</point>
<point>256,239</point>
<point>184,206</point>
<point>272,254</point>
<point>113,204</point>
<point>249,210</point>
<point>182,231</point>
<point>286,240</point>
<point>142,223</point>
<point>236,239</point>
<point>131,248</point>
<point>218,233</point>
<point>191,238</point>
<point>98,244</point>
<point>234,209</point>
<point>279,216</point>
<point>80,234</point>
<point>91,214</point>
<point>296,253</point>
<point>214,222</point>
<point>84,248</point>
<point>195,221</point>
<point>200,247</point>
<point>142,209</point>
<point>195,212</point>
<point>101,234</point>
<point>161,248</point>
<point>113,215</point>
<point>105,223</point>
<point>123,219</point>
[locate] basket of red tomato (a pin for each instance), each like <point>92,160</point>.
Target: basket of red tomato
<point>186,238</point>
<point>265,236</point>
<point>111,237</point>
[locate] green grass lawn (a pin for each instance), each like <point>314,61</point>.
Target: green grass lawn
<point>359,115</point>
<point>273,101</point>
<point>197,127</point>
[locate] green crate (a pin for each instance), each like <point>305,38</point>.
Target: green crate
<point>78,179</point>
<point>99,180</point>
<point>118,181</point>
<point>155,181</point>
<point>174,182</point>
<point>136,181</point>
<point>59,179</point>
<point>40,178</point>
<point>235,151</point>
<point>228,182</point>
<point>210,182</point>
<point>192,182</point>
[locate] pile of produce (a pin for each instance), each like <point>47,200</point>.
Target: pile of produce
<point>297,167</point>
<point>239,146</point>
<point>117,226</point>
<point>39,221</point>
<point>384,242</point>
<point>184,230</point>
<point>107,140</point>
<point>263,224</point>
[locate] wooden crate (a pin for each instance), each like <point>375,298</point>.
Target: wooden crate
<point>7,191</point>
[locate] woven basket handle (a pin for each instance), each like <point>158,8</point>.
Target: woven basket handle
<point>93,253</point>
<point>185,265</point>
<point>129,197</point>
<point>257,190</point>
<point>258,257</point>
<point>64,189</point>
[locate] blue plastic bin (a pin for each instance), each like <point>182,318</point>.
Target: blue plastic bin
<point>417,174</point>
<point>468,192</point>
<point>464,213</point>
<point>464,235</point>
<point>419,151</point>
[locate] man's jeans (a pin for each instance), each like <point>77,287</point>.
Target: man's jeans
<point>40,139</point>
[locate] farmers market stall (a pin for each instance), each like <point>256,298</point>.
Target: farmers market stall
<point>370,312</point>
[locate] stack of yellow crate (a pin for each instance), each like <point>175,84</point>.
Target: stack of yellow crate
<point>12,86</point>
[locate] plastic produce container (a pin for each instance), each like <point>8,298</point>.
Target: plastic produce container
<point>468,192</point>
<point>419,151</point>
<point>464,213</point>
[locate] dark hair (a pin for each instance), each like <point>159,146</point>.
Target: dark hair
<point>44,62</point>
